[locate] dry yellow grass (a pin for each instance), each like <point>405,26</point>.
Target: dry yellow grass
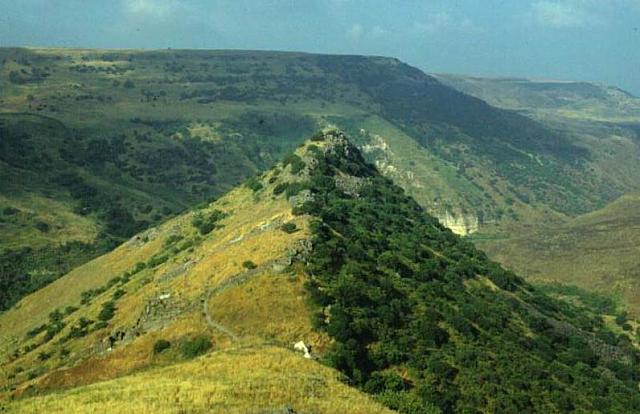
<point>239,380</point>
<point>268,305</point>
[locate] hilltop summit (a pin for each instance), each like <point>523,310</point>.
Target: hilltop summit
<point>321,249</point>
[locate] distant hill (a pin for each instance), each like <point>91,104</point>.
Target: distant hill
<point>599,251</point>
<point>323,250</point>
<point>99,144</point>
<point>595,251</point>
<point>579,100</point>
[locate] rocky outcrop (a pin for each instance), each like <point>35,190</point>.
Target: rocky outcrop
<point>462,224</point>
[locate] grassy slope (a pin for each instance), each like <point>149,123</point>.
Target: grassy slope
<point>237,380</point>
<point>597,251</point>
<point>252,367</point>
<point>257,315</point>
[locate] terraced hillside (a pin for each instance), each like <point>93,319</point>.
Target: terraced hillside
<point>325,250</point>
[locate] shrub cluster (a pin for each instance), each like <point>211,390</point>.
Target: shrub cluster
<point>407,295</point>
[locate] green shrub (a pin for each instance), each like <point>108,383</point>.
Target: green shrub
<point>100,325</point>
<point>206,225</point>
<point>254,184</point>
<point>161,345</point>
<point>318,136</point>
<point>35,331</point>
<point>42,226</point>
<point>289,227</point>
<point>118,294</point>
<point>10,211</point>
<point>280,188</point>
<point>196,346</point>
<point>295,188</point>
<point>248,264</point>
<point>70,309</point>
<point>296,163</point>
<point>157,260</point>
<point>174,238</point>
<point>108,311</point>
<point>80,329</point>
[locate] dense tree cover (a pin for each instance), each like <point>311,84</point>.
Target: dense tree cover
<point>427,323</point>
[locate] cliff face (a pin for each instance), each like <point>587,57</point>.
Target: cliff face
<point>461,224</point>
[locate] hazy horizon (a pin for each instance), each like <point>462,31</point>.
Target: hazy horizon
<point>572,40</point>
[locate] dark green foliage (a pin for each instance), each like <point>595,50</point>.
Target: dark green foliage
<point>42,226</point>
<point>108,311</point>
<point>55,325</point>
<point>157,260</point>
<point>10,211</point>
<point>289,227</point>
<point>161,345</point>
<point>194,347</point>
<point>100,325</point>
<point>35,331</point>
<point>296,163</point>
<point>173,239</point>
<point>79,329</point>
<point>88,295</point>
<point>118,294</point>
<point>207,223</point>
<point>69,310</point>
<point>318,136</point>
<point>280,188</point>
<point>248,264</point>
<point>406,293</point>
<point>254,184</point>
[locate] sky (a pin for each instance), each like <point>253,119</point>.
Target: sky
<point>591,40</point>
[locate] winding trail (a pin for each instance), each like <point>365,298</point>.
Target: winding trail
<point>234,281</point>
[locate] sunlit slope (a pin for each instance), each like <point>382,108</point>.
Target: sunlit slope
<point>599,251</point>
<point>225,263</point>
<point>238,380</point>
<point>326,251</point>
<point>579,100</point>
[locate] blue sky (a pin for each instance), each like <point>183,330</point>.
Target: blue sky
<point>595,40</point>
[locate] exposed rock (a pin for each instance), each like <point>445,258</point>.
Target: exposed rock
<point>462,224</point>
<point>176,271</point>
<point>350,185</point>
<point>301,347</point>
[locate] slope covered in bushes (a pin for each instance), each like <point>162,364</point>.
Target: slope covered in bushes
<point>425,321</point>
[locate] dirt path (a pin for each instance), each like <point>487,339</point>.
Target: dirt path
<point>234,281</point>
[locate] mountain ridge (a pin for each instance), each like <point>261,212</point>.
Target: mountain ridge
<point>378,294</point>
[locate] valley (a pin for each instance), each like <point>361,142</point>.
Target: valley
<point>100,144</point>
<point>396,309</point>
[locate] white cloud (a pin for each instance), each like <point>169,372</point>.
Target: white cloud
<point>565,13</point>
<point>157,9</point>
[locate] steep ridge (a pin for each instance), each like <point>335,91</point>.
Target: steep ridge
<point>325,250</point>
<point>97,145</point>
